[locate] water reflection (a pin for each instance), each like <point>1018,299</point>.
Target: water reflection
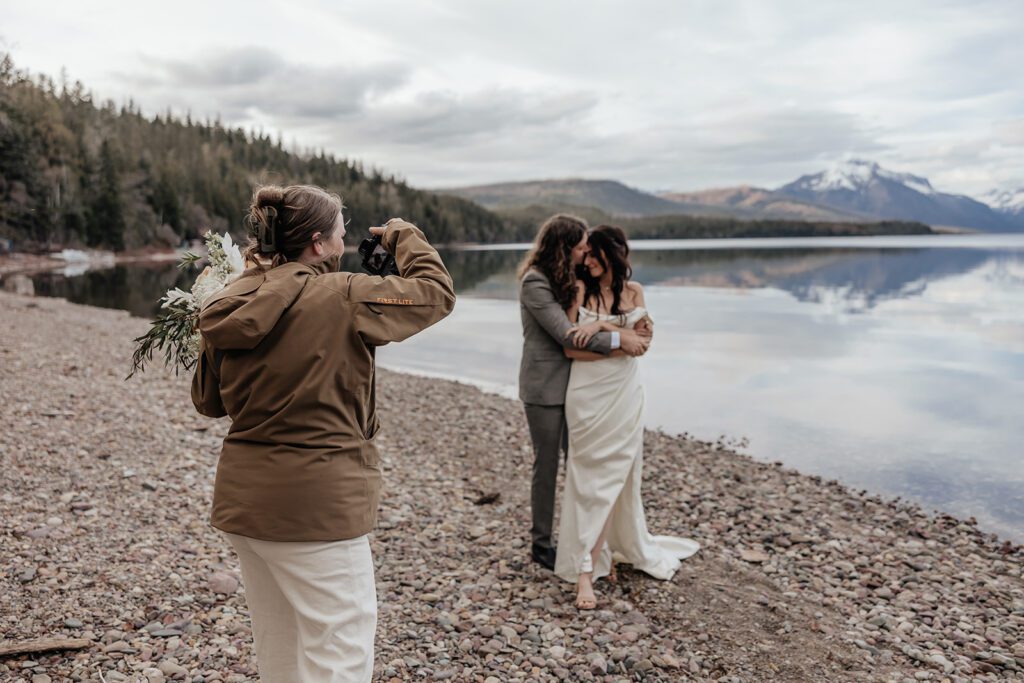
<point>860,277</point>
<point>854,279</point>
<point>134,287</point>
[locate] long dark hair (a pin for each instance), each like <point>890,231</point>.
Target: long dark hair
<point>609,246</point>
<point>552,255</point>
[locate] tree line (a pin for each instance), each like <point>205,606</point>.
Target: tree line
<point>524,221</point>
<point>75,172</point>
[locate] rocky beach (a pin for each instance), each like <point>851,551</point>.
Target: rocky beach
<point>110,572</point>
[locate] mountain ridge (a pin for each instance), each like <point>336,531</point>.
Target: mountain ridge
<point>1007,202</point>
<point>855,190</point>
<point>609,196</point>
<point>865,187</point>
<point>760,202</point>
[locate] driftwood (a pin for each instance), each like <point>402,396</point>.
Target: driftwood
<point>487,499</point>
<point>8,649</point>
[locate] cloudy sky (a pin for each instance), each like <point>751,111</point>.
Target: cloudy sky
<point>666,95</point>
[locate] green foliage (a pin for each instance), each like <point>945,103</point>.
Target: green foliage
<point>189,260</point>
<point>76,174</point>
<point>170,333</point>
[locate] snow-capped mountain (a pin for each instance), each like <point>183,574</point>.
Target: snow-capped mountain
<point>1008,202</point>
<point>857,174</point>
<point>866,188</point>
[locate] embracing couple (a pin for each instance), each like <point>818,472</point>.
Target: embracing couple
<point>584,325</point>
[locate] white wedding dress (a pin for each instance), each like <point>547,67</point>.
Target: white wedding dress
<point>604,409</point>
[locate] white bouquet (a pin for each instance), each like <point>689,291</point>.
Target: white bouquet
<point>175,330</point>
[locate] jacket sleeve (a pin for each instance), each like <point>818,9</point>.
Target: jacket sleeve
<point>393,308</point>
<point>536,295</point>
<point>206,385</point>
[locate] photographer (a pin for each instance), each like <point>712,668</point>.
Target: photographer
<point>287,352</point>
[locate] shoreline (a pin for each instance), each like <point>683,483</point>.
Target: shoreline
<point>948,239</point>
<point>737,444</point>
<point>25,263</point>
<point>104,516</point>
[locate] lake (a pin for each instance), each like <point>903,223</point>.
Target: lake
<point>893,364</point>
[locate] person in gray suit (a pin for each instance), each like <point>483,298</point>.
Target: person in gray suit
<point>547,289</point>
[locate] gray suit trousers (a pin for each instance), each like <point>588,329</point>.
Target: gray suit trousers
<point>550,437</point>
<point>543,377</point>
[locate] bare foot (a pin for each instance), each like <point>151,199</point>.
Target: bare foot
<point>613,576</point>
<point>585,598</point>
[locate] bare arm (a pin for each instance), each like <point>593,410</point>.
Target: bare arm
<point>634,340</point>
<point>638,294</point>
<point>645,325</point>
<point>582,333</point>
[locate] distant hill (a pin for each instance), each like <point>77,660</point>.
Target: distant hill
<point>608,196</point>
<point>646,216</point>
<point>756,202</point>
<point>524,221</point>
<point>866,188</point>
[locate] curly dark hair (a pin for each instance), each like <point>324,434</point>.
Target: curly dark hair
<point>609,246</point>
<point>552,255</point>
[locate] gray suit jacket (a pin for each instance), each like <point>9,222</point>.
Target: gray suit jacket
<point>544,368</point>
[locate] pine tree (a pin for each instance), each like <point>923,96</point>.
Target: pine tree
<point>106,224</point>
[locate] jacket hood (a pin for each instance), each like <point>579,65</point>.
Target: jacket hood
<point>243,313</point>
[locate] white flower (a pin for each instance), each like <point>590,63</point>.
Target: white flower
<point>233,258</point>
<point>206,285</point>
<point>175,295</point>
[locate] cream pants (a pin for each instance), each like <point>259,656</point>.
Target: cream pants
<point>313,608</point>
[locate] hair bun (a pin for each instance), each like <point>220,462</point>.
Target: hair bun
<point>269,195</point>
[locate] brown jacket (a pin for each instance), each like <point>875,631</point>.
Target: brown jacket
<point>289,355</point>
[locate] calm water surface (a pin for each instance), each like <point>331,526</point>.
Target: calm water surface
<point>892,364</point>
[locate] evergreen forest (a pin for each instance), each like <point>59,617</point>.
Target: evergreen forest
<point>76,172</point>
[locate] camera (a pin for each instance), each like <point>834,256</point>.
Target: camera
<point>376,259</point>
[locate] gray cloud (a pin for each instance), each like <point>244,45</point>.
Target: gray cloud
<point>660,95</point>
<point>782,135</point>
<point>251,81</point>
<point>246,66</point>
<point>434,119</point>
<point>362,113</point>
<point>766,145</point>
<point>345,106</point>
<point>1010,133</point>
